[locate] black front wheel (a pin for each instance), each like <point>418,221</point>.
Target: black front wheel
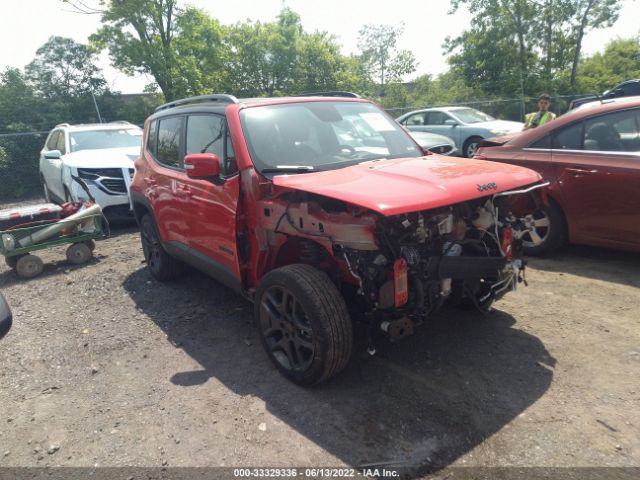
<point>303,324</point>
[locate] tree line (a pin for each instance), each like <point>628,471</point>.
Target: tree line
<point>512,48</point>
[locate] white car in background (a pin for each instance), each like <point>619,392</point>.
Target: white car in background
<point>101,154</point>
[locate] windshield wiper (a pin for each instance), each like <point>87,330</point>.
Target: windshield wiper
<point>289,169</point>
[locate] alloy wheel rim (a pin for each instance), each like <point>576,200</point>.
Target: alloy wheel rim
<point>286,329</point>
<point>538,228</point>
<point>471,149</point>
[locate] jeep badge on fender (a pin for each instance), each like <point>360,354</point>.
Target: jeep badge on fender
<point>487,186</point>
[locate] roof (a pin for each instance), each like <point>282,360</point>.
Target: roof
<point>616,101</point>
<point>218,104</point>
<point>119,125</point>
<point>577,114</point>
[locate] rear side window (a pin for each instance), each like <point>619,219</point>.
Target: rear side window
<point>152,138</point>
<point>169,135</point>
<point>569,138</point>
<point>416,119</point>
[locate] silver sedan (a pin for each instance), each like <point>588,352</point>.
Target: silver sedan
<point>464,125</point>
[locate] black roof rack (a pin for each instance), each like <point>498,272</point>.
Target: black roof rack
<point>330,94</point>
<point>222,98</point>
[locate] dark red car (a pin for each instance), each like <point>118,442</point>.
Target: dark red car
<point>591,157</point>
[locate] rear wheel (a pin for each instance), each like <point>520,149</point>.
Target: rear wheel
<point>303,324</point>
<point>79,253</point>
<point>162,265</point>
<point>471,146</point>
<point>29,266</point>
<point>546,230</point>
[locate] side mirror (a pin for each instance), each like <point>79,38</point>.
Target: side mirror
<point>451,122</point>
<point>53,155</point>
<point>5,317</point>
<point>202,165</point>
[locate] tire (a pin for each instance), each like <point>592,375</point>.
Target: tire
<point>12,262</point>
<point>470,146</point>
<point>549,230</point>
<point>79,253</point>
<point>303,324</point>
<point>163,267</point>
<point>29,266</point>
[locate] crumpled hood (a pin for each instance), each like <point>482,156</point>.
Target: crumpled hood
<point>404,185</point>
<point>103,158</point>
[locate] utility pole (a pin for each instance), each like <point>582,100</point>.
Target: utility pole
<point>95,104</point>
<point>522,113</point>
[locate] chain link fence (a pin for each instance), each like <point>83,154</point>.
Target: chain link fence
<point>19,158</point>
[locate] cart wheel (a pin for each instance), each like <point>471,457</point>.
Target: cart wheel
<point>79,253</point>
<point>29,266</point>
<point>12,261</point>
<point>91,244</point>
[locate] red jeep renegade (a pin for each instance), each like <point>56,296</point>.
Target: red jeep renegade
<point>323,211</point>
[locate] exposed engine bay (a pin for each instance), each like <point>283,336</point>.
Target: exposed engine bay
<point>404,267</point>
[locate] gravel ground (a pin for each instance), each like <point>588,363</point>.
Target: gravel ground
<point>105,366</point>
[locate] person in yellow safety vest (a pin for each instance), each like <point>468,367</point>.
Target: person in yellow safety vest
<point>535,119</point>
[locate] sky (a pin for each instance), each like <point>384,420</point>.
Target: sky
<point>29,23</point>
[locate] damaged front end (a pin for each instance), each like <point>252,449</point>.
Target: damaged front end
<point>396,271</point>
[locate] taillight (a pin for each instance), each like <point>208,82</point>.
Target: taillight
<point>400,283</point>
<point>507,243</point>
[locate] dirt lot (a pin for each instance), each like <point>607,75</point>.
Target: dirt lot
<point>105,366</point>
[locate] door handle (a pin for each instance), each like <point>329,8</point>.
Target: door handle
<point>577,171</point>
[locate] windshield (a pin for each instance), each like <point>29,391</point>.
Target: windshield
<point>322,136</point>
<point>100,139</point>
<point>471,115</point>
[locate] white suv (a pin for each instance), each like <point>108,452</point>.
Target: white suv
<point>101,154</point>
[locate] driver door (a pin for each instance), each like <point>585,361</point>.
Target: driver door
<point>211,204</point>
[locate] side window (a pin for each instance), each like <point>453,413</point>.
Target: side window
<point>60,144</point>
<point>417,119</point>
<point>569,138</point>
<point>634,88</point>
<point>544,142</point>
<point>208,134</point>
<point>169,134</point>
<point>613,132</point>
<point>436,118</point>
<point>205,134</point>
<point>53,140</point>
<point>152,138</point>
